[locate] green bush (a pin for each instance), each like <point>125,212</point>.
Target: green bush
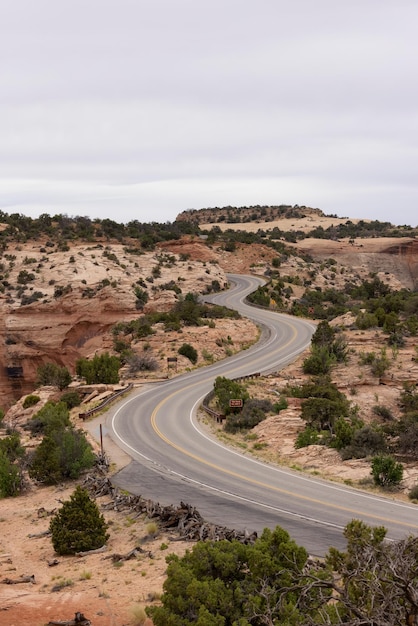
<point>78,526</point>
<point>189,352</point>
<point>365,442</point>
<point>62,455</point>
<point>30,400</point>
<point>281,404</point>
<point>52,374</point>
<point>71,399</point>
<point>321,413</point>
<point>307,437</point>
<point>12,447</point>
<point>320,361</point>
<point>53,415</point>
<point>226,390</point>
<point>365,320</point>
<point>103,368</point>
<point>409,398</point>
<point>253,412</point>
<point>259,297</point>
<point>386,471</point>
<point>228,582</point>
<point>141,298</point>
<point>10,477</point>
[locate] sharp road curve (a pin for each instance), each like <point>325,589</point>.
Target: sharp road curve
<point>174,459</point>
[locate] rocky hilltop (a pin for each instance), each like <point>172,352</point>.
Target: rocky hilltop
<point>242,215</point>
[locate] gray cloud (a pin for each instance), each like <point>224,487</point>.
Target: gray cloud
<point>139,109</point>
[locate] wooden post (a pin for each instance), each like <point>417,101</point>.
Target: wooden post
<point>101,440</point>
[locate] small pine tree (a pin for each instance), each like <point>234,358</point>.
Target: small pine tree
<point>78,526</point>
<point>10,477</point>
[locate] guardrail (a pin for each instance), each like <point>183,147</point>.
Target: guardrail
<point>100,406</point>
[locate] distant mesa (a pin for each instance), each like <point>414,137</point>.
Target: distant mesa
<point>241,215</point>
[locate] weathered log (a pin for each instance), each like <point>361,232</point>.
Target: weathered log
<point>96,551</point>
<point>185,519</point>
<point>132,554</point>
<point>79,620</point>
<point>22,579</point>
<point>43,512</point>
<point>45,533</point>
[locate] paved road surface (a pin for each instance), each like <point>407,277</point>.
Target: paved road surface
<point>175,460</point>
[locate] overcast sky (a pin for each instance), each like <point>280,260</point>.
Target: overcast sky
<point>140,109</point>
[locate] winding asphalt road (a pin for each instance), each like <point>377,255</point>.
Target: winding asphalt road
<point>174,459</point>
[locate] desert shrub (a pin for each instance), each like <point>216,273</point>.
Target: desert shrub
<point>121,346</point>
<point>321,413</point>
<point>189,352</point>
<point>323,335</point>
<point>365,320</point>
<point>78,526</point>
<point>52,374</point>
<point>24,277</point>
<point>10,477</point>
<point>383,412</point>
<point>253,412</point>
<point>62,455</point>
<point>379,363</point>
<point>103,368</point>
<point>30,298</point>
<point>259,297</point>
<point>71,399</point>
<point>141,297</point>
<point>11,446</point>
<point>367,358</point>
<point>225,390</point>
<point>52,416</point>
<point>409,398</point>
<point>139,615</point>
<point>307,437</point>
<point>225,582</point>
<point>280,405</point>
<point>142,362</point>
<point>413,494</point>
<point>386,471</point>
<point>30,400</point>
<point>344,431</point>
<point>408,437</point>
<point>365,442</point>
<point>320,361</point>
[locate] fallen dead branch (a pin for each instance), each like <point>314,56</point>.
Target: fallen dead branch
<point>96,551</point>
<point>184,519</point>
<point>132,554</point>
<point>21,579</point>
<point>45,533</point>
<point>79,620</point>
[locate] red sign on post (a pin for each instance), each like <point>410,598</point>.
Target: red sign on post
<point>237,404</point>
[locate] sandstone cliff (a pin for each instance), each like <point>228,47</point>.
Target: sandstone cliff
<point>61,305</point>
